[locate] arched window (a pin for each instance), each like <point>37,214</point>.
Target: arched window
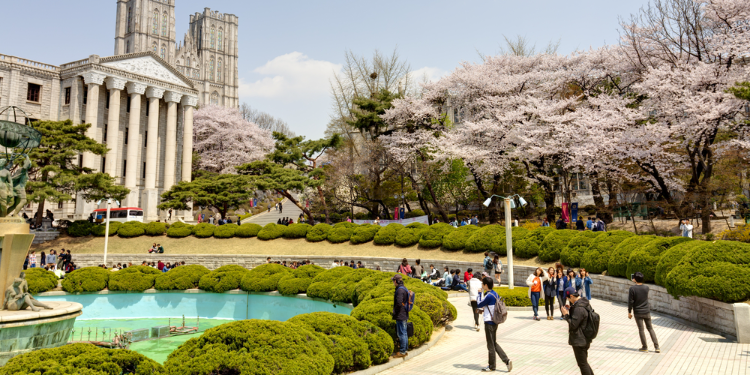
<point>211,70</point>
<point>213,37</point>
<point>130,17</point>
<point>215,98</point>
<point>221,39</point>
<point>164,24</point>
<point>218,71</point>
<point>156,48</point>
<point>188,61</point>
<point>163,52</point>
<point>156,23</point>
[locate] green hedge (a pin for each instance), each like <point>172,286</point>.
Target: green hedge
<point>364,233</point>
<point>322,284</point>
<point>156,228</point>
<point>297,230</point>
<point>432,238</point>
<point>618,259</point>
<point>222,279</point>
<point>87,279</point>
<point>82,359</point>
<point>387,234</point>
<point>341,232</point>
<point>179,230</point>
<point>298,280</point>
<point>379,312</point>
<point>252,347</point>
<point>717,270</point>
<point>481,240</point>
<point>204,230</point>
<point>671,258</point>
<point>319,232</point>
<point>134,278</point>
<point>248,230</point>
<point>271,231</point>
<point>549,250</point>
<point>596,258</point>
<point>40,280</point>
<point>518,296</point>
<point>131,229</point>
<point>264,278</point>
<point>98,229</point>
<point>342,289</point>
<point>79,228</point>
<point>181,278</point>
<point>410,235</point>
<point>571,255</point>
<point>498,245</point>
<point>225,231</point>
<point>646,258</point>
<point>456,240</point>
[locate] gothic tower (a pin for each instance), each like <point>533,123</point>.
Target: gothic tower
<point>146,25</point>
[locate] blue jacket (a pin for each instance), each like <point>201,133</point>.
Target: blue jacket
<point>485,301</point>
<point>586,286</point>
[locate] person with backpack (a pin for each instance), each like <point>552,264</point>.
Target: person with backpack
<point>475,286</point>
<point>579,316</point>
<point>638,305</point>
<point>490,303</point>
<point>488,265</point>
<point>402,303</point>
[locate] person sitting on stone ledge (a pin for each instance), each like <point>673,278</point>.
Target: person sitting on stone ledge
<point>17,297</point>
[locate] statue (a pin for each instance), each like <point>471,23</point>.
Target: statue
<point>6,188</point>
<point>17,297</point>
<point>19,179</point>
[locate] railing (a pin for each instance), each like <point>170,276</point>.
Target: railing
<point>31,63</point>
<point>74,64</point>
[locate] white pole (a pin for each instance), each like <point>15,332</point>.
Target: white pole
<point>106,231</point>
<point>509,242</point>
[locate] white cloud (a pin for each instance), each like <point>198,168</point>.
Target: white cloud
<point>293,75</point>
<point>431,74</point>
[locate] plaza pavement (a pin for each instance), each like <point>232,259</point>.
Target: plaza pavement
<point>542,347</point>
<point>289,210</point>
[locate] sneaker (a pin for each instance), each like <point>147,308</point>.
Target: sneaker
<point>399,355</point>
<point>487,369</point>
<point>510,365</point>
<point>657,350</point>
<point>643,350</point>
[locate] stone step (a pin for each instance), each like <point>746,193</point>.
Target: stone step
<point>42,237</point>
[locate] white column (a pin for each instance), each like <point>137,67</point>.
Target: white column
<point>92,80</point>
<point>150,197</point>
<point>115,86</point>
<point>187,137</point>
<point>170,149</point>
<point>134,146</point>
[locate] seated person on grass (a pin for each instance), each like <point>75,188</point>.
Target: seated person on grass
<point>446,280</point>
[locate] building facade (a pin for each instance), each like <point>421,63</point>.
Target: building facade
<point>139,102</point>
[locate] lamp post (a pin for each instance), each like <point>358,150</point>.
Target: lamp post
<point>106,228</point>
<point>508,231</point>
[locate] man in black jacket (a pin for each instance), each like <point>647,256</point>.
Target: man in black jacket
<point>577,315</point>
<point>400,315</point>
<point>638,305</point>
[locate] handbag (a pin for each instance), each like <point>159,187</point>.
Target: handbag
<point>409,329</point>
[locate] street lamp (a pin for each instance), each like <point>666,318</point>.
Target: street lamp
<point>106,226</point>
<point>509,203</point>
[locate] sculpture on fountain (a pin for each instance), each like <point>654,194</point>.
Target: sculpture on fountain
<point>17,297</point>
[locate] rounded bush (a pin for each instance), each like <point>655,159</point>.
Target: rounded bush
<point>481,240</point>
<point>297,230</point>
<point>40,280</point>
<point>204,230</point>
<point>135,278</point>
<point>526,248</point>
<point>596,258</point>
<point>225,231</point>
<point>671,258</point>
<point>364,233</point>
<point>82,359</point>
<point>549,250</point>
<point>156,228</point>
<point>646,258</point>
<point>539,234</point>
<point>717,270</point>
<point>341,232</point>
<point>410,235</point>
<point>322,285</point>
<point>363,289</point>
<point>271,231</point>
<point>571,255</point>
<point>181,278</point>
<point>264,278</point>
<point>98,229</point>
<point>79,228</point>
<point>131,229</point>
<point>179,230</point>
<point>618,259</point>
<point>456,240</point>
<point>387,234</point>
<point>498,245</point>
<point>248,230</point>
<point>252,347</point>
<point>378,312</point>
<point>518,296</point>
<point>298,280</point>
<point>342,290</point>
<point>87,279</point>
<point>319,232</point>
<point>222,279</point>
<point>432,238</point>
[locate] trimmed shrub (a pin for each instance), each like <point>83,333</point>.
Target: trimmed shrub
<point>297,230</point>
<point>248,230</point>
<point>456,240</point>
<point>378,312</point>
<point>364,233</point>
<point>225,231</point>
<point>549,250</point>
<point>156,228</point>
<point>572,254</point>
<point>222,279</point>
<point>79,228</point>
<point>518,296</point>
<point>131,229</point>
<point>135,278</point>
<point>343,288</point>
<point>364,288</point>
<point>298,280</point>
<point>414,213</point>
<point>671,258</point>
<point>179,230</point>
<point>646,258</point>
<point>40,280</point>
<point>526,248</point>
<point>322,285</point>
<point>319,232</point>
<point>264,278</point>
<point>271,231</point>
<point>618,260</point>
<point>498,245</point>
<point>82,359</point>
<point>87,279</point>
<point>596,258</point>
<point>387,234</point>
<point>341,232</point>
<point>98,229</point>
<point>204,230</point>
<point>717,270</point>
<point>481,240</point>
<point>252,347</point>
<point>411,234</point>
<point>181,278</point>
<point>432,238</point>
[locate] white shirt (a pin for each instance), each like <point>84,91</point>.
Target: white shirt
<point>475,285</point>
<point>487,314</point>
<point>334,265</point>
<point>687,230</point>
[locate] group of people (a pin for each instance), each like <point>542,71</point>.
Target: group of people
<point>552,284</point>
<point>285,221</point>
<point>58,263</point>
<point>343,263</point>
<point>278,206</point>
<point>291,264</point>
<point>156,249</point>
<point>594,224</point>
<point>213,221</point>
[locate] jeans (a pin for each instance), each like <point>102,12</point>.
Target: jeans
<point>474,310</point>
<point>549,305</point>
<point>463,287</point>
<point>561,298</point>
<point>582,358</point>
<point>33,266</point>
<point>490,333</point>
<point>402,336</point>
<point>535,302</point>
<point>639,320</point>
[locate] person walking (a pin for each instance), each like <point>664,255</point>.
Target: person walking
<point>497,267</point>
<point>638,305</point>
<point>577,316</point>
<point>535,282</point>
<point>486,301</point>
<point>488,264</point>
<point>550,291</point>
<point>586,283</point>
<point>579,224</point>
<point>281,208</point>
<point>170,215</point>
<point>475,287</point>
<point>400,314</point>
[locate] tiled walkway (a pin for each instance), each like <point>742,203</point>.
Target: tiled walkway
<point>542,347</point>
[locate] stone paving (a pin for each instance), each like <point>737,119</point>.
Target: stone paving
<point>542,347</point>
<point>289,210</point>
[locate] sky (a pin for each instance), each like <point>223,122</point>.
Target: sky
<point>289,50</point>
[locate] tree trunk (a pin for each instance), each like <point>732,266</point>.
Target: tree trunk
<point>325,205</point>
<point>296,203</point>
<point>40,213</point>
<point>437,204</point>
<point>549,202</point>
<point>597,192</point>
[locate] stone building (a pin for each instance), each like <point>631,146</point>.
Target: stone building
<point>140,101</point>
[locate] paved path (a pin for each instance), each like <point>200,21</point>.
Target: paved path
<point>542,347</point>
<point>289,210</point>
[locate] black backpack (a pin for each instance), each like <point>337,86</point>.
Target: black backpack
<point>592,324</point>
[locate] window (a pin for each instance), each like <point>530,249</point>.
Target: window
<point>33,93</point>
<point>67,95</point>
<point>124,165</point>
<point>221,39</point>
<point>164,25</point>
<point>130,18</point>
<point>107,100</point>
<point>127,107</point>
<point>85,94</point>
<point>156,48</point>
<point>143,171</point>
<point>80,161</point>
<point>127,46</point>
<point>218,71</point>
<point>215,98</point>
<point>136,213</point>
<point>59,205</point>
<point>213,37</point>
<point>145,139</point>
<point>127,131</point>
<point>104,162</point>
<point>211,70</point>
<point>156,23</point>
<point>163,52</point>
<point>104,135</point>
<point>188,62</point>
